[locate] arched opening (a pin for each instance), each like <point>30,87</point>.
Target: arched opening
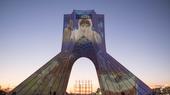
<point>83,78</point>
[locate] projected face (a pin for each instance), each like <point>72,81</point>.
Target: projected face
<point>84,30</point>
<point>84,25</point>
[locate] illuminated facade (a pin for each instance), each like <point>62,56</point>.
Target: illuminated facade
<point>83,36</point>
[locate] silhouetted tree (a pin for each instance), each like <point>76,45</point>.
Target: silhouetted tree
<point>2,92</point>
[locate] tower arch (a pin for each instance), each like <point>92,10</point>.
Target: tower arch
<point>83,70</point>
<point>83,36</point>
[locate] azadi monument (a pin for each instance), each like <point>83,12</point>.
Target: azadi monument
<point>83,36</point>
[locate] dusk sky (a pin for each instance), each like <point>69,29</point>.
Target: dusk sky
<point>137,35</point>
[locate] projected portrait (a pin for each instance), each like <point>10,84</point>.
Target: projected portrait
<point>85,30</point>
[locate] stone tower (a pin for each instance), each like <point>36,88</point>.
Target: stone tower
<point>83,36</point>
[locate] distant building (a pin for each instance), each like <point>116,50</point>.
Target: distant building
<point>83,87</point>
<point>161,91</point>
<point>166,90</point>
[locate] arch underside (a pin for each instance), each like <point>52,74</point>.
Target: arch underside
<point>52,78</point>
